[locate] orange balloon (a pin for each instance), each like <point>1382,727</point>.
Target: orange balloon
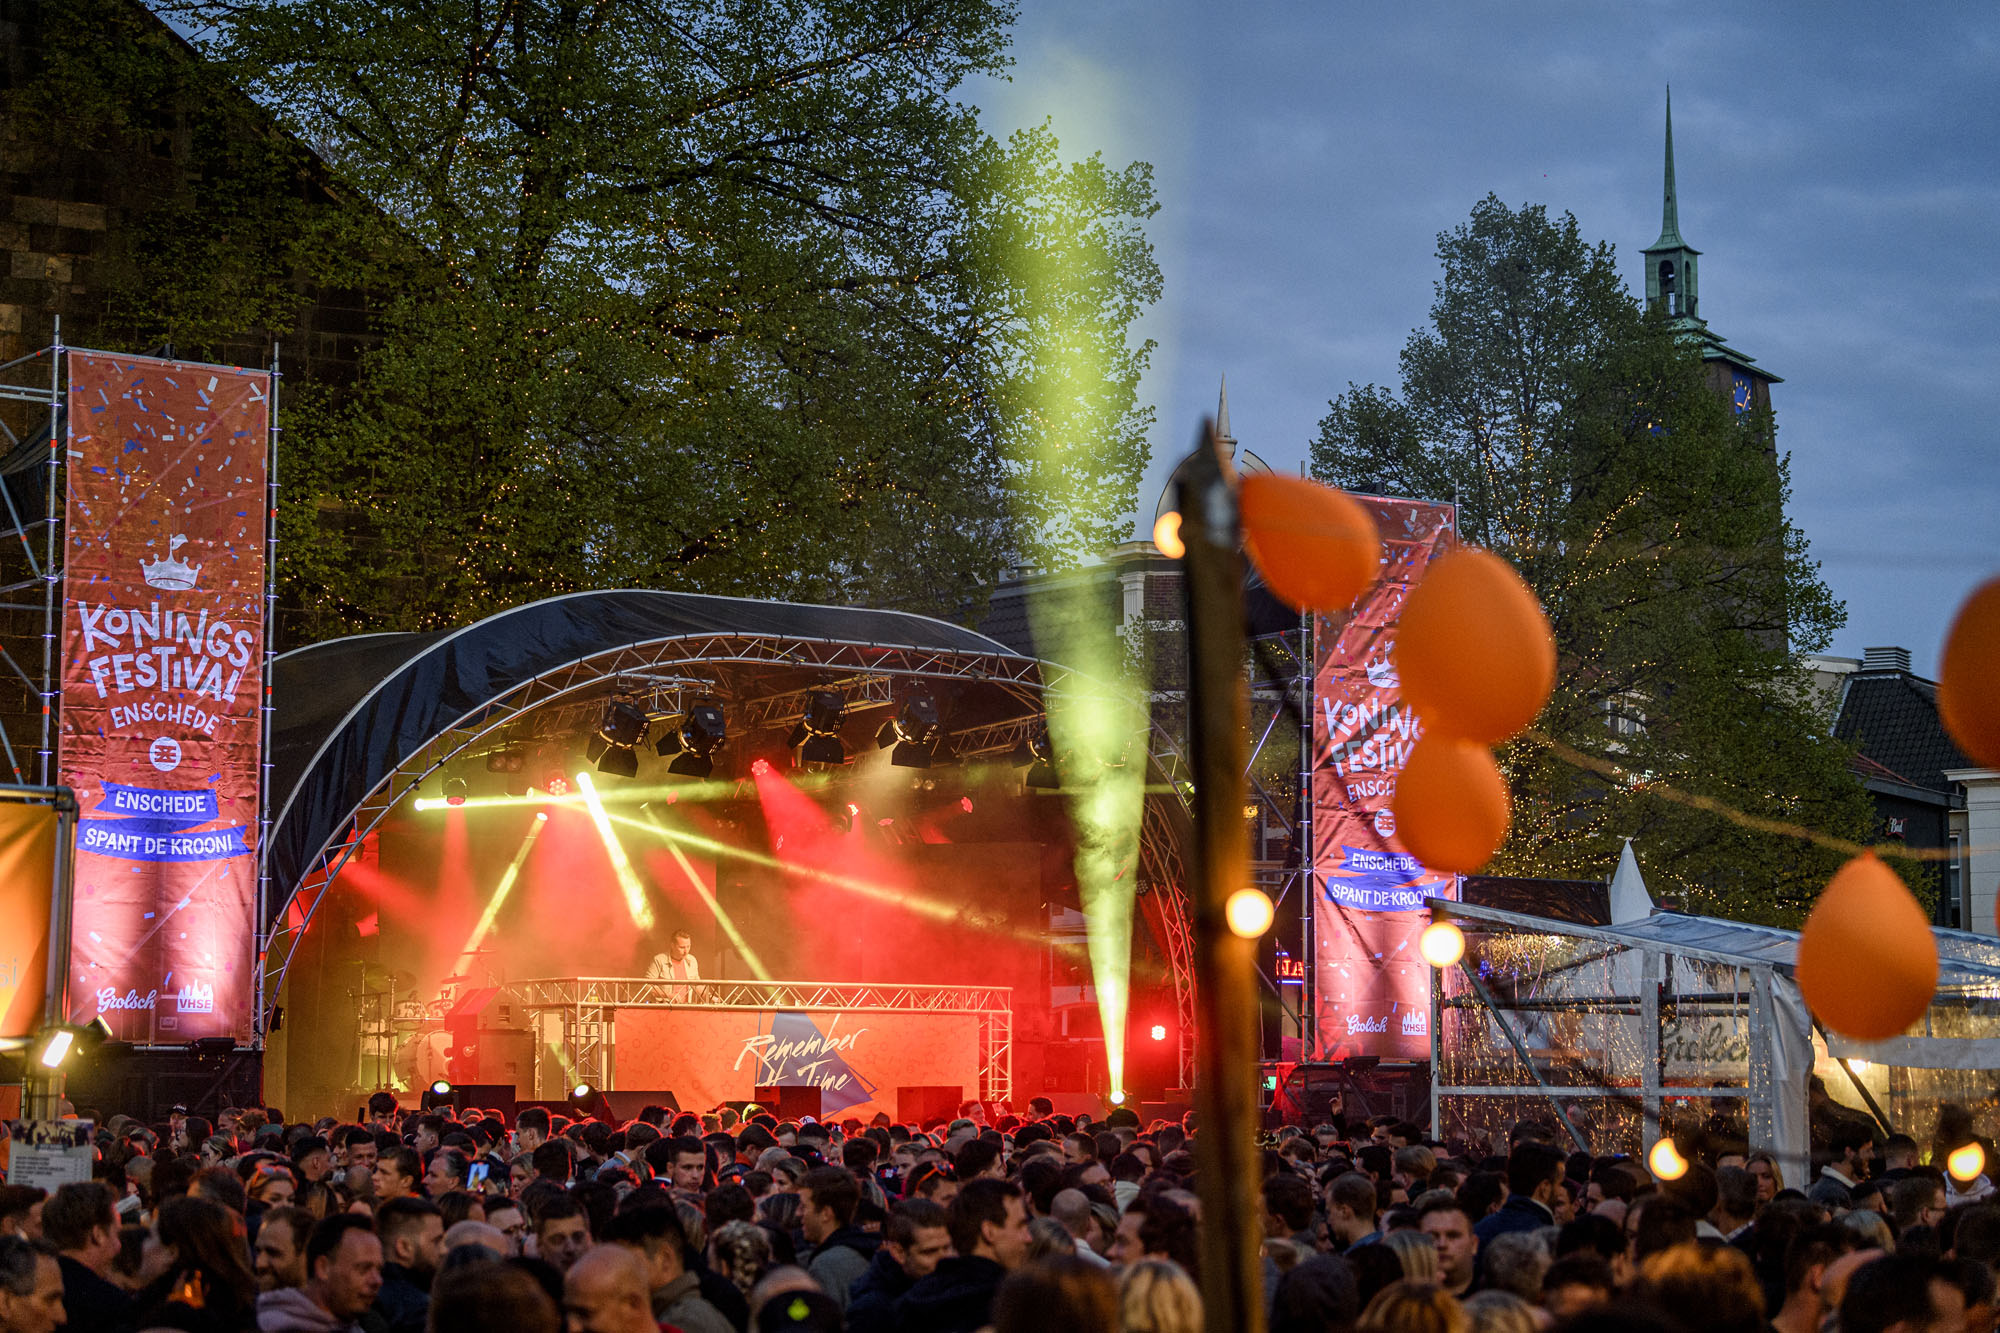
<point>1451,805</point>
<point>1474,650</point>
<point>1969,676</point>
<point>1868,962</point>
<point>1315,546</point>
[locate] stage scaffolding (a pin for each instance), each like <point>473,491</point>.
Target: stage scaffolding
<point>31,594</point>
<point>586,1008</point>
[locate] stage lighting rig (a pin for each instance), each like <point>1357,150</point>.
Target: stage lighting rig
<point>454,791</point>
<point>817,736</point>
<point>914,731</point>
<point>614,747</point>
<point>694,739</point>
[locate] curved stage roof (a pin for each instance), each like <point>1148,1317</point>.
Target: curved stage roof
<point>349,712</point>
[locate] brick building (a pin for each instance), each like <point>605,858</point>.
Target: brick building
<point>155,208</point>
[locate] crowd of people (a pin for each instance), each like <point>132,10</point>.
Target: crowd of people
<point>461,1222</point>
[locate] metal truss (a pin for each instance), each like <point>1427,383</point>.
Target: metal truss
<point>1165,903</point>
<point>588,1005</point>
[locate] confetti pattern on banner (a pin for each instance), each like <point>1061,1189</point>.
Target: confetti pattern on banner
<point>1371,986</point>
<point>162,679</point>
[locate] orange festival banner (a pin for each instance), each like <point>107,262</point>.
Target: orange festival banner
<point>162,685</point>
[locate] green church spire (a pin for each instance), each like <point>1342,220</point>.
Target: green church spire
<point>1670,213</point>
<point>1671,275</point>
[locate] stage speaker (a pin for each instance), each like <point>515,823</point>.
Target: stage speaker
<point>486,1096</point>
<point>1079,1103</point>
<point>791,1101</point>
<point>150,1082</point>
<point>924,1104</point>
<point>627,1105</point>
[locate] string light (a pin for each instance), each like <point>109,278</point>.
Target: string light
<point>1249,913</point>
<point>1666,1160</point>
<point>1441,944</point>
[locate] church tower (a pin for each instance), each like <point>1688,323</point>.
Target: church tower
<point>1673,287</point>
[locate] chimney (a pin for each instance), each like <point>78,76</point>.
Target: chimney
<point>1885,659</point>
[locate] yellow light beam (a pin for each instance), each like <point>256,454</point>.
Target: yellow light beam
<point>621,865</point>
<point>750,958</point>
<point>500,892</point>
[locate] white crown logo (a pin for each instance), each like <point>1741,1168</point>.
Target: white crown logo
<point>170,574</point>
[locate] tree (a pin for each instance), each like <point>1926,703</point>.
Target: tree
<point>722,296</point>
<point>1579,440</point>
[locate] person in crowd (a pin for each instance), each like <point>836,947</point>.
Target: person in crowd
<point>490,1298</point>
<point>1535,1173</point>
<point>742,1252</point>
<point>1413,1307</point>
<point>655,1233</point>
<point>343,1277</point>
<point>81,1221</point>
<point>562,1231</point>
<point>915,1239</point>
<point>505,1216</point>
<point>412,1235</point>
<point>1060,1294</point>
<point>841,1251</point>
<point>278,1259</point>
<point>1156,1296</point>
<point>208,1285</point>
<point>31,1287</point>
<point>1416,1252</point>
<point>1853,1147</point>
<point>21,1211</point>
<point>1351,1210</point>
<point>1449,1227</point>
<point>988,1223</point>
<point>1576,1283</point>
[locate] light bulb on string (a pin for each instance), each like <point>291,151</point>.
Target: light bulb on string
<point>1249,913</point>
<point>1442,944</point>
<point>1666,1161</point>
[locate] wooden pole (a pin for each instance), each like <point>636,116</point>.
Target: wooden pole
<point>1227,1174</point>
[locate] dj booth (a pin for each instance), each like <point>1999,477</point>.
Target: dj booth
<point>902,1050</point>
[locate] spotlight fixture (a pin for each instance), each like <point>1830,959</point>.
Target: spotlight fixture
<point>914,731</point>
<point>1038,755</point>
<point>454,791</point>
<point>556,784</point>
<point>56,1046</point>
<point>506,761</point>
<point>693,740</point>
<point>624,724</point>
<point>437,1094</point>
<point>614,748</point>
<point>817,736</point>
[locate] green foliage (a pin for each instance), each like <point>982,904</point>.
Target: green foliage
<point>1580,440</point>
<point>721,296</point>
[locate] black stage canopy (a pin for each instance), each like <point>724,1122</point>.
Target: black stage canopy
<point>350,713</point>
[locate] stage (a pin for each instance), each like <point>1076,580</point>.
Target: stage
<point>485,838</point>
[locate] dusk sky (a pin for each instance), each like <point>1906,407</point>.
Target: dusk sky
<point>1837,165</point>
